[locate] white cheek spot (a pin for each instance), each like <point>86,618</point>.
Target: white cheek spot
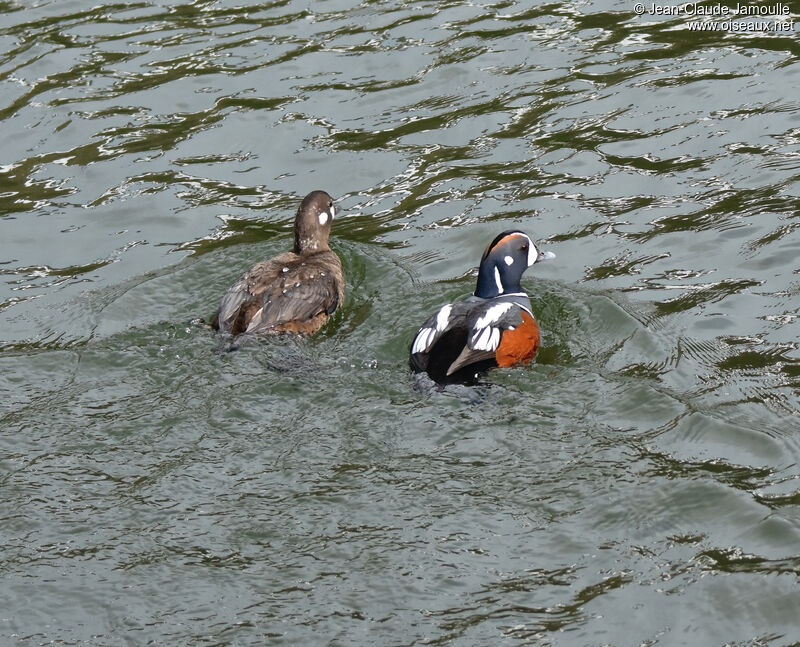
<point>297,284</point>
<point>509,260</point>
<point>323,217</point>
<point>285,269</point>
<point>497,280</point>
<point>322,273</point>
<point>284,291</point>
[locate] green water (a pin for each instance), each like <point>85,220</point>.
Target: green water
<point>638,485</point>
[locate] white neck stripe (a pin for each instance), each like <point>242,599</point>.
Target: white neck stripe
<point>497,280</point>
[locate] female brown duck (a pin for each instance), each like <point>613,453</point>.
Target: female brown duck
<point>295,291</point>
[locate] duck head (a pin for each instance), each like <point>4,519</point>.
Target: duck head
<point>504,261</point>
<point>312,224</point>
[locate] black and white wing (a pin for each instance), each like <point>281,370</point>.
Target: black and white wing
<point>486,326</point>
<point>435,327</point>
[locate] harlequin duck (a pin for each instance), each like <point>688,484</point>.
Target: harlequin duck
<point>493,327</point>
<point>295,291</point>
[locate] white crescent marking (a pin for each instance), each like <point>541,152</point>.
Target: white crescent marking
<point>443,318</point>
<point>493,314</point>
<point>421,341</point>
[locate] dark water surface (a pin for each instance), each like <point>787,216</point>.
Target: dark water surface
<point>639,485</point>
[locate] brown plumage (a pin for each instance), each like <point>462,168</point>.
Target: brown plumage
<point>295,291</point>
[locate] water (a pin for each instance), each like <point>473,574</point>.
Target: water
<point>639,485</point>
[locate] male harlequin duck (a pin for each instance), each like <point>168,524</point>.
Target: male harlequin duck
<point>295,291</point>
<point>493,327</point>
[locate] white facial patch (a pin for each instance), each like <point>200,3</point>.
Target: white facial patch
<point>532,254</point>
<point>323,217</point>
<point>509,261</point>
<point>497,280</point>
